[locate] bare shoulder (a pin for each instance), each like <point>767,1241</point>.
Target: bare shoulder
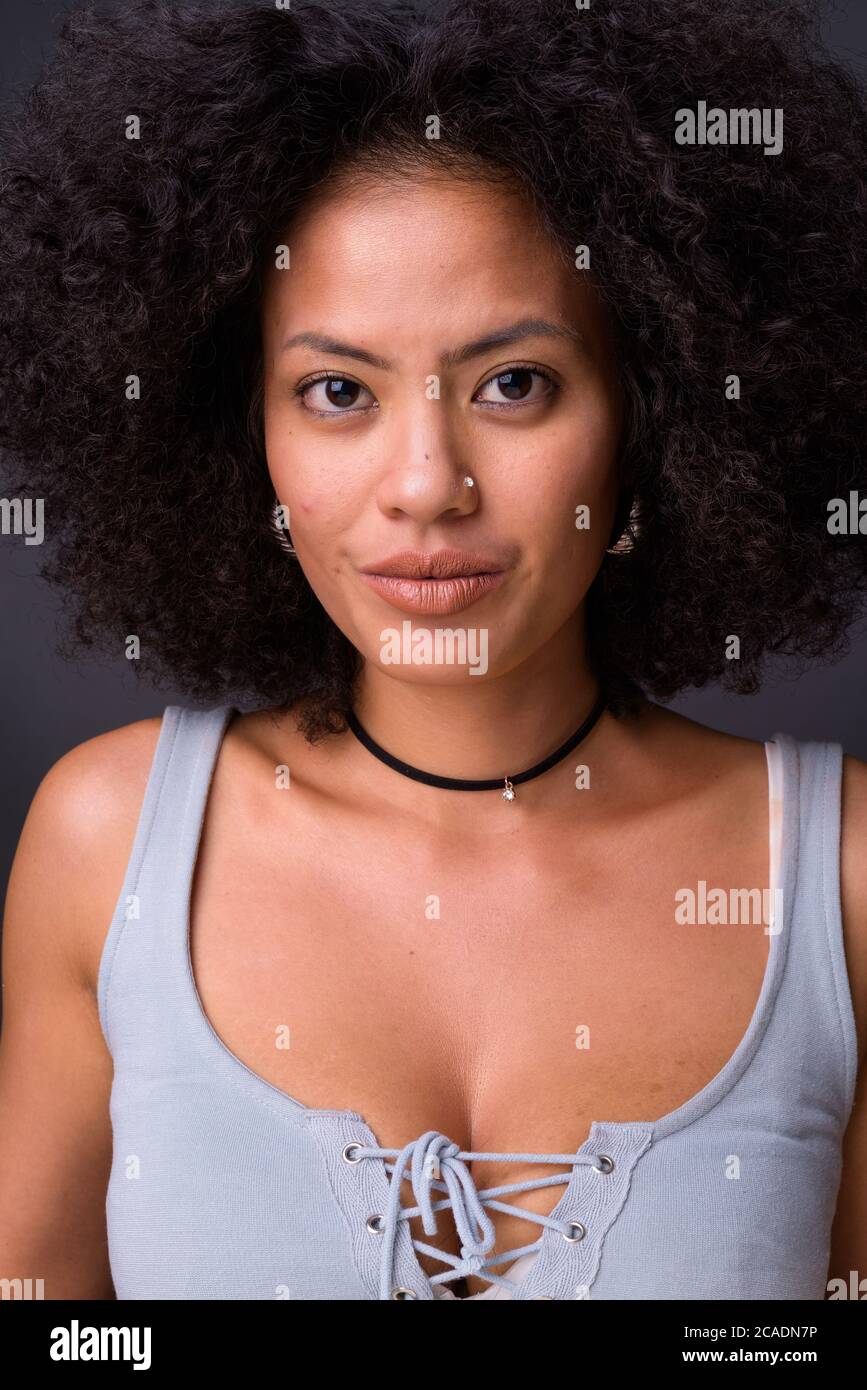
<point>55,1067</point>
<point>270,736</point>
<point>729,761</point>
<point>695,761</point>
<point>685,733</point>
<point>78,835</point>
<point>853,886</point>
<point>83,795</point>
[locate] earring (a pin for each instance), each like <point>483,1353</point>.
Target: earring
<point>629,535</point>
<point>280,529</point>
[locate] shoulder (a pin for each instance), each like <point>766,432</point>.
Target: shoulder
<point>854,805</point>
<point>734,767</point>
<point>80,797</point>
<point>696,760</point>
<point>853,885</point>
<point>77,838</point>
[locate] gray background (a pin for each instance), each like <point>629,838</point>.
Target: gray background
<point>48,705</point>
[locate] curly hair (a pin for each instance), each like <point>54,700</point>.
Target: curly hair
<point>146,256</point>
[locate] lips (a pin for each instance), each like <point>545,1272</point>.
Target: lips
<point>434,596</point>
<point>440,581</point>
<point>442,564</point>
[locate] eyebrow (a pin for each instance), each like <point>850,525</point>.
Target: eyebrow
<point>498,337</point>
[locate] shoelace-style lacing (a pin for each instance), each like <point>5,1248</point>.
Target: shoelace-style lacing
<point>435,1161</point>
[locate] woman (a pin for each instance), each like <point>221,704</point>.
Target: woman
<point>413,397</point>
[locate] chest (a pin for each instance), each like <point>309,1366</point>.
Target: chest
<point>506,996</point>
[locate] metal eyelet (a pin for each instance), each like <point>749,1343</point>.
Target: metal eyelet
<point>346,1152</point>
<point>401,1293</point>
<point>579,1228</point>
<point>605,1164</point>
<point>376,1225</point>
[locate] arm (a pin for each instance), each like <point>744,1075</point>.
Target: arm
<point>55,1068</point>
<point>849,1234</point>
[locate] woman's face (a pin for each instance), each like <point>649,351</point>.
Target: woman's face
<point>393,289</point>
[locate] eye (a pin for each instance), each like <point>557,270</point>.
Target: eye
<point>516,386</point>
<point>332,394</point>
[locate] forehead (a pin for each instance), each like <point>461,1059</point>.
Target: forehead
<point>428,254</point>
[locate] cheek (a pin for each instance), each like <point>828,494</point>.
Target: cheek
<point>298,467</point>
<point>595,471</point>
<point>322,501</point>
<point>278,432</point>
<point>574,466</point>
<point>597,428</point>
<point>568,508</point>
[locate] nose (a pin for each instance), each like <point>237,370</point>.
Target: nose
<point>424,477</point>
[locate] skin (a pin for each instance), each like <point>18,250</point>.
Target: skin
<point>363,485</point>
<point>309,906</point>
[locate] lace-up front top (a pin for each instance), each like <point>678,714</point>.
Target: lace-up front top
<point>434,1157</point>
<point>239,1191</point>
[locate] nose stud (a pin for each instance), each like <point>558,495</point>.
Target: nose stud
<point>468,482</point>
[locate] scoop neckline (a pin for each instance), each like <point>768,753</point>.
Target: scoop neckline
<point>692,1109</point>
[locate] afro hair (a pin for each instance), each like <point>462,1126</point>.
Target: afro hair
<point>145,257</point>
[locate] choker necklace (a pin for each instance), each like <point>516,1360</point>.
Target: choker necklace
<point>470,784</point>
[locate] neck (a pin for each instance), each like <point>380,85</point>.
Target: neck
<point>479,728</point>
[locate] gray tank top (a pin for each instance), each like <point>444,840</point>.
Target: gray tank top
<point>224,1187</point>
